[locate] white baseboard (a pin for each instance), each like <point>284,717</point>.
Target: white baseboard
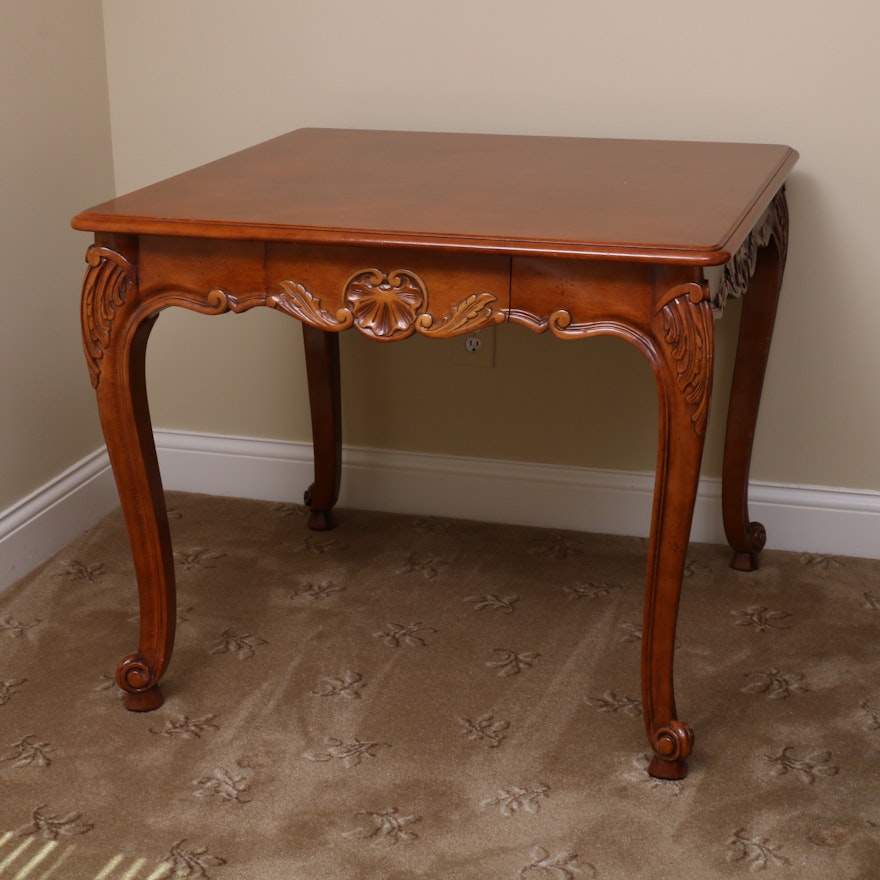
<point>815,519</point>
<point>48,519</point>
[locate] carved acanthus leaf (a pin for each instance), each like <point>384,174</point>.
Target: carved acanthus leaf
<point>472,313</point>
<point>295,299</point>
<point>108,282</point>
<point>739,269</point>
<point>687,329</point>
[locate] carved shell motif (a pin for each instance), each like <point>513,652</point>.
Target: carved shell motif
<point>386,306</point>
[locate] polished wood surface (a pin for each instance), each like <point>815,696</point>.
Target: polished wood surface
<point>400,233</point>
<point>660,201</point>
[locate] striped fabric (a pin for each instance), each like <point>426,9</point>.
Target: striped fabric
<point>29,858</point>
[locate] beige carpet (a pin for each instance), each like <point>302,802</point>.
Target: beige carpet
<point>410,697</point>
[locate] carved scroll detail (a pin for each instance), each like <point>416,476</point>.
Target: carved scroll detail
<point>687,331</point>
<point>561,325</point>
<point>674,741</point>
<point>216,301</point>
<point>559,322</point>
<point>134,674</point>
<point>108,281</point>
<point>739,269</point>
<point>386,306</point>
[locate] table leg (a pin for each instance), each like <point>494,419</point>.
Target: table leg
<point>683,362</point>
<point>325,402</point>
<point>115,333</point>
<point>747,538</point>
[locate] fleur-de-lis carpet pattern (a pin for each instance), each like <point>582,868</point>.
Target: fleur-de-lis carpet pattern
<point>408,697</point>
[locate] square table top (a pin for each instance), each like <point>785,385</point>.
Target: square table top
<point>636,200</point>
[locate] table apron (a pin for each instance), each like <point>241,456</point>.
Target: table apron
<point>389,294</point>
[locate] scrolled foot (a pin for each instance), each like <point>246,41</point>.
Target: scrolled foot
<point>142,692</point>
<point>672,744</point>
<point>747,560</point>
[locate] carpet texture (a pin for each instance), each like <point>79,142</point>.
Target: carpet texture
<point>408,697</point>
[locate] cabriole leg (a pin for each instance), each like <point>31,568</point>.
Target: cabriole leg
<point>325,403</point>
<point>747,538</point>
<point>683,364</point>
<point>115,333</point>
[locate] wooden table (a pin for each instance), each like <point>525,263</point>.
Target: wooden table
<point>396,233</point>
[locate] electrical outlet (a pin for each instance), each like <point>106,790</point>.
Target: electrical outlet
<point>476,349</point>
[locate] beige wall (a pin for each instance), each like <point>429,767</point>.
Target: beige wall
<point>54,154</point>
<point>192,81</point>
